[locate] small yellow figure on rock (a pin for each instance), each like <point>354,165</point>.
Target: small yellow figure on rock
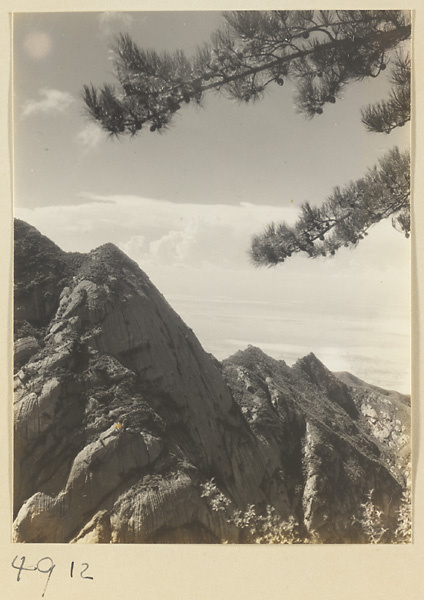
<point>119,426</point>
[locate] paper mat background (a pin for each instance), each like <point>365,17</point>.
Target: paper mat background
<point>207,572</point>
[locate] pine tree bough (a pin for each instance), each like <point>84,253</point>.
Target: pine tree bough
<point>345,217</point>
<point>386,115</point>
<point>320,52</point>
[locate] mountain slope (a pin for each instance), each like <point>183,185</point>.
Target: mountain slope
<point>307,417</point>
<point>121,417</point>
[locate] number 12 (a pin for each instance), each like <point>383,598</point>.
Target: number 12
<point>85,565</point>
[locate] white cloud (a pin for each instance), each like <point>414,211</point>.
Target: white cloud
<point>196,234</point>
<point>112,21</point>
<point>213,233</point>
<point>185,233</point>
<point>184,246</point>
<point>51,101</point>
<point>90,136</point>
<point>136,246</point>
<point>196,243</point>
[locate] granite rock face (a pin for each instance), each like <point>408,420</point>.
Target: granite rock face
<point>310,428</point>
<point>121,417</point>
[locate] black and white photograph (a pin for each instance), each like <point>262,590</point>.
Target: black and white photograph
<point>212,277</point>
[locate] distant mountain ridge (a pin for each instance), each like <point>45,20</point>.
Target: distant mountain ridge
<point>121,418</point>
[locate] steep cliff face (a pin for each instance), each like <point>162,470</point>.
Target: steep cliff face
<point>121,417</point>
<point>385,415</point>
<point>308,425</point>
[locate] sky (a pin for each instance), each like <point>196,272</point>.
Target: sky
<point>185,204</point>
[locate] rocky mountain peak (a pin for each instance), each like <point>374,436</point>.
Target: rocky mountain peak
<point>41,269</point>
<point>318,374</point>
<point>121,417</point>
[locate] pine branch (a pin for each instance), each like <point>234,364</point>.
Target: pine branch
<point>386,115</point>
<point>344,218</point>
<point>320,52</point>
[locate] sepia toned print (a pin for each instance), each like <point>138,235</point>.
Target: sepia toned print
<point>180,152</point>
